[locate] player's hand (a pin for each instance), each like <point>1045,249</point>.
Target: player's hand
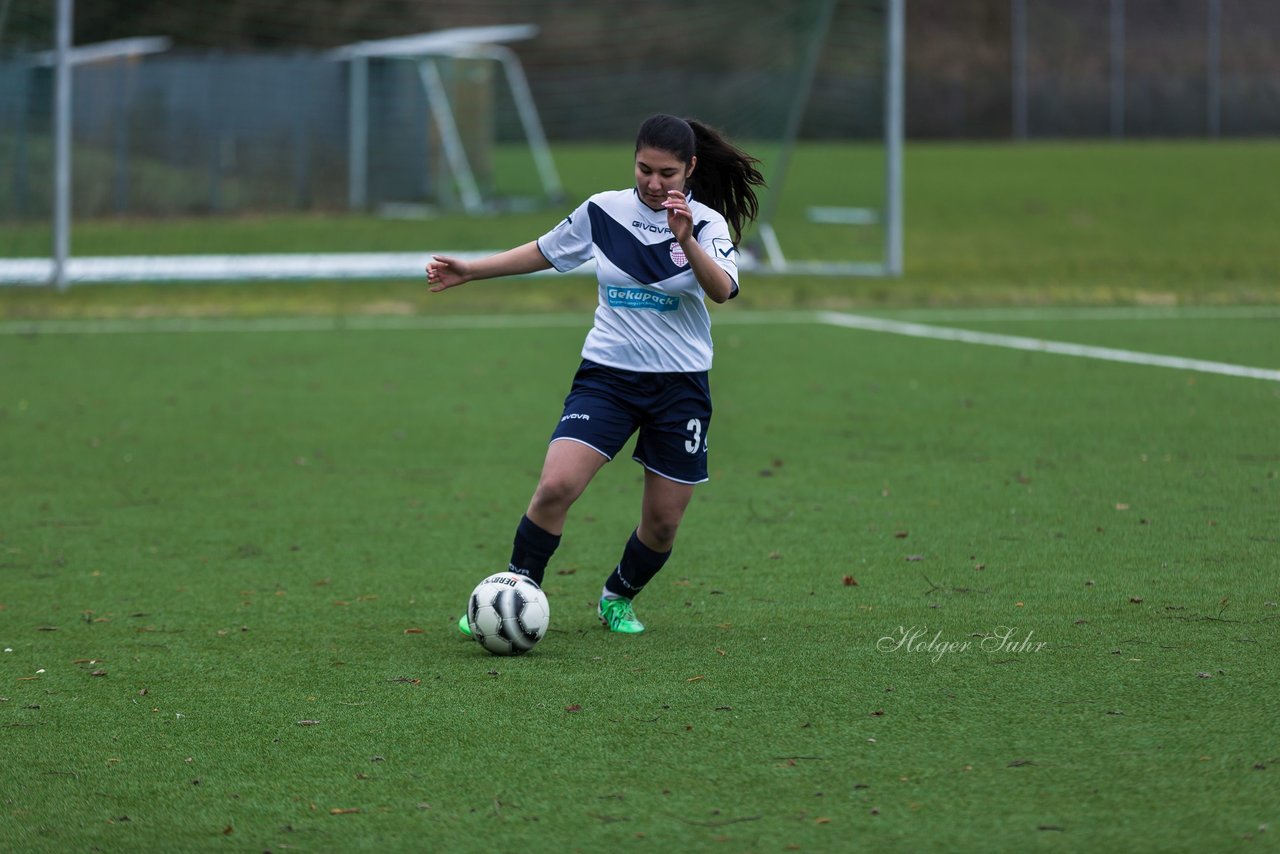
<point>679,217</point>
<point>444,272</point>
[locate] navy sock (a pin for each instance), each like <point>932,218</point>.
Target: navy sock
<point>637,568</point>
<point>532,549</point>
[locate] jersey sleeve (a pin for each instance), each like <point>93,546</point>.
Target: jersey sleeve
<point>568,245</point>
<point>716,242</point>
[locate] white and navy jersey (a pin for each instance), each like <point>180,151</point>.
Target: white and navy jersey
<point>652,314</point>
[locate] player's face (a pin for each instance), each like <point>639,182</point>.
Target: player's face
<point>658,172</point>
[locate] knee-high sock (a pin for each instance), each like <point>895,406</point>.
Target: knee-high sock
<point>532,549</point>
<point>637,568</point>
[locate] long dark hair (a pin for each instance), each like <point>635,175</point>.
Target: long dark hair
<point>726,177</point>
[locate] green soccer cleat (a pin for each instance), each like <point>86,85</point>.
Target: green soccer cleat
<point>617,615</point>
<point>464,626</point>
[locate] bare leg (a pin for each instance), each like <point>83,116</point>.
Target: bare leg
<point>661,511</point>
<point>568,468</point>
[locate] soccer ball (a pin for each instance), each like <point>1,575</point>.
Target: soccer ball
<point>508,613</point>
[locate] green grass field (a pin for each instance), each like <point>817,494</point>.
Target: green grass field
<point>937,596</point>
<point>210,538</point>
<point>1082,223</point>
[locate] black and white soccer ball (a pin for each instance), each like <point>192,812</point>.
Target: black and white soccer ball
<point>508,613</point>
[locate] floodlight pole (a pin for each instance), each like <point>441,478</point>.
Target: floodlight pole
<point>62,144</point>
<point>895,46</point>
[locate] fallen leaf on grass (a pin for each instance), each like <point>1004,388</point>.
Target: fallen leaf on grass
<point>98,673</point>
<point>342,811</point>
<point>574,708</point>
<point>695,678</point>
<point>850,581</point>
<point>1018,763</point>
<point>414,631</point>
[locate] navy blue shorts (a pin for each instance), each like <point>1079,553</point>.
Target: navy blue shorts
<point>672,411</point>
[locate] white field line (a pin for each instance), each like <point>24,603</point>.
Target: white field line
<point>1038,345</point>
<point>1087,313</point>
<point>130,326</point>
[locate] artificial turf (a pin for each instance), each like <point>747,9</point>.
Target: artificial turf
<point>935,597</point>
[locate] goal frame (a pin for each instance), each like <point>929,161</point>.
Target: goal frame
<point>767,242</point>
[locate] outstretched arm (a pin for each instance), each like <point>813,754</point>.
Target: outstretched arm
<point>445,272</point>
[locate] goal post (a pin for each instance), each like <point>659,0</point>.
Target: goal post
<point>396,124</point>
<point>427,51</point>
<point>856,213</point>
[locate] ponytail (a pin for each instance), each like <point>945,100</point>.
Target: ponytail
<point>726,176</point>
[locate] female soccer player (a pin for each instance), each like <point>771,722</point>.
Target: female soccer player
<point>660,248</point>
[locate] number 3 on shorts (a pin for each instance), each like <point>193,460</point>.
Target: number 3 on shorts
<point>692,445</point>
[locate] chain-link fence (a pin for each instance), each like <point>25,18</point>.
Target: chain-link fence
<point>212,125</point>
<point>1093,68</point>
<point>249,110</point>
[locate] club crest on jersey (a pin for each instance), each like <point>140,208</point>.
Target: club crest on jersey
<point>677,255</point>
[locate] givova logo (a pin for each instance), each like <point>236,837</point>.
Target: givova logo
<point>641,298</point>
